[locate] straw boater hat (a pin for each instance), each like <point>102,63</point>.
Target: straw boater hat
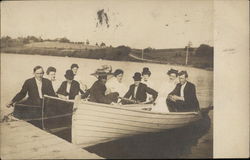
<point>172,71</point>
<point>104,71</point>
<point>69,75</point>
<point>137,76</point>
<point>146,71</point>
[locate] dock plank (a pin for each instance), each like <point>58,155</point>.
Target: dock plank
<point>21,140</point>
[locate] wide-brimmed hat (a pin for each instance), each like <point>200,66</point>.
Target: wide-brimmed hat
<point>137,76</point>
<point>146,71</point>
<point>172,71</point>
<point>69,75</point>
<point>103,72</point>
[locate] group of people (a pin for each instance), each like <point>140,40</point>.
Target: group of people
<point>176,94</point>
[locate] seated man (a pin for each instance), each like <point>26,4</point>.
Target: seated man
<point>36,87</point>
<point>98,89</point>
<point>69,88</point>
<point>138,91</point>
<point>183,97</point>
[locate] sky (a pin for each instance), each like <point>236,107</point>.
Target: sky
<point>138,23</point>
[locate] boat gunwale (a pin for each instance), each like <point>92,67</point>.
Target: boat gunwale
<point>119,107</point>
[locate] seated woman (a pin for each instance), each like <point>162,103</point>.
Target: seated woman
<point>166,87</point>
<point>98,89</point>
<point>69,88</point>
<point>115,83</point>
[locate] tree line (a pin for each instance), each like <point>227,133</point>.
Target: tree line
<point>7,41</point>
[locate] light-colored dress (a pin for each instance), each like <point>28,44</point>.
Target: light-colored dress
<point>114,86</point>
<point>160,102</point>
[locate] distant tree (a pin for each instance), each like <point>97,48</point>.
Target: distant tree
<point>33,39</point>
<point>6,41</point>
<point>102,44</point>
<point>148,50</point>
<point>204,50</point>
<point>96,44</point>
<point>64,40</point>
<point>87,42</point>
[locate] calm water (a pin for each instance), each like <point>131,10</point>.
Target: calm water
<point>15,69</point>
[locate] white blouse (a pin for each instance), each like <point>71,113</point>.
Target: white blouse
<point>114,86</point>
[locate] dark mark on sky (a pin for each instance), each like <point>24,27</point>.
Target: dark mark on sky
<point>102,18</point>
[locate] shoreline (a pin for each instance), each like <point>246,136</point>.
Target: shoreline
<point>139,61</point>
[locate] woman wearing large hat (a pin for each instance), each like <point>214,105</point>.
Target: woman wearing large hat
<point>98,89</point>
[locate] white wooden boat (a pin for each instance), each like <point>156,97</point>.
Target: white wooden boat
<point>94,123</point>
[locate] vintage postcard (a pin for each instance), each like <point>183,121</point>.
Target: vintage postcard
<point>106,79</point>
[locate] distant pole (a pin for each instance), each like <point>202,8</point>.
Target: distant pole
<point>189,44</point>
<point>142,54</point>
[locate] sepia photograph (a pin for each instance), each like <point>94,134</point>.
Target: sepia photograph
<point>106,79</point>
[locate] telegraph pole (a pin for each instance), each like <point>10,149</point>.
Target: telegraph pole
<point>142,53</point>
<point>189,44</point>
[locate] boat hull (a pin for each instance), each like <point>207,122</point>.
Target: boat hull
<point>95,123</point>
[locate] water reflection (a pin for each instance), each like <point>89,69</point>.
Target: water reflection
<point>173,143</point>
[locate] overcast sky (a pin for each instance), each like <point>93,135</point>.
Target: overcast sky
<point>138,24</point>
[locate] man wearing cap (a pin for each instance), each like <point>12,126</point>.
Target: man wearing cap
<point>183,97</point>
<point>138,91</point>
<point>36,87</point>
<point>98,89</point>
<point>69,88</point>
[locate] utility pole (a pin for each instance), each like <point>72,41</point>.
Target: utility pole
<point>142,53</point>
<point>189,44</point>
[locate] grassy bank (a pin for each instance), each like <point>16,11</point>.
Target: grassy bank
<point>177,57</point>
<point>165,56</point>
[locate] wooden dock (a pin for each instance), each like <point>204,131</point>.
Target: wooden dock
<point>21,140</point>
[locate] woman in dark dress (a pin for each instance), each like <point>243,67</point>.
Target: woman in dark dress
<point>69,88</point>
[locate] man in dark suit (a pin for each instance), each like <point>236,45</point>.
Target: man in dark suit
<point>183,97</point>
<point>138,91</point>
<point>97,91</point>
<point>69,88</point>
<point>36,87</point>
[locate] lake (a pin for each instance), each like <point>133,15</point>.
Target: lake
<point>15,69</point>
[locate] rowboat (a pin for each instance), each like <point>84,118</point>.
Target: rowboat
<point>93,123</point>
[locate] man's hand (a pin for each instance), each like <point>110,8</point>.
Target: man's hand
<point>10,104</point>
<point>171,97</point>
<point>62,97</point>
<point>178,98</point>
